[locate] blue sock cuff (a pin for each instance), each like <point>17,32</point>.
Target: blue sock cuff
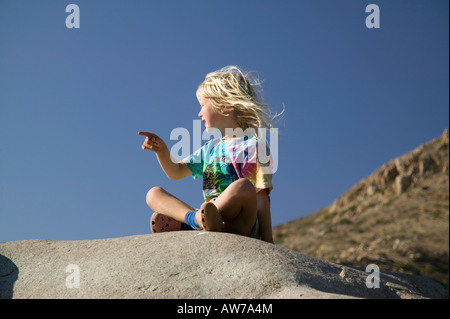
<point>190,220</point>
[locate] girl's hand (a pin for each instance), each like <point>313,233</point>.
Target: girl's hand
<point>172,169</point>
<point>152,142</point>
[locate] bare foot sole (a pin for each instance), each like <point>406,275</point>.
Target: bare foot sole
<point>160,223</point>
<point>211,218</point>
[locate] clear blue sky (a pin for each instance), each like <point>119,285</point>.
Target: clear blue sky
<point>73,100</point>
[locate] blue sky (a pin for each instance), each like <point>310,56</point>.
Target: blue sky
<point>73,100</point>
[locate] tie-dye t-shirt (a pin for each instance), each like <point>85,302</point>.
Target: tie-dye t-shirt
<point>221,162</point>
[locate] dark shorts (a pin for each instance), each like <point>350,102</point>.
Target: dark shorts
<point>256,233</point>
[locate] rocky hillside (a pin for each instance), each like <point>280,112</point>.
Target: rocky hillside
<point>397,218</point>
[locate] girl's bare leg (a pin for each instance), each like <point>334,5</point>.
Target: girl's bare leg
<point>165,203</point>
<point>237,205</point>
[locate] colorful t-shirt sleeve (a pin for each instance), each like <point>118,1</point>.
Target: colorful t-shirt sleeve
<point>257,167</point>
<point>195,162</point>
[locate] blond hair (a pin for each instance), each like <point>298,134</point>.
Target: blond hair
<point>230,87</point>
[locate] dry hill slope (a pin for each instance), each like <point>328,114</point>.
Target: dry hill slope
<point>397,218</point>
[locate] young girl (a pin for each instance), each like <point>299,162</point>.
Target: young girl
<point>236,182</point>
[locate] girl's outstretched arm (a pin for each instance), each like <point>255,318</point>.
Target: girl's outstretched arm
<point>172,169</point>
<point>265,220</point>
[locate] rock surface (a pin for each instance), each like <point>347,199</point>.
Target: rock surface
<point>187,264</point>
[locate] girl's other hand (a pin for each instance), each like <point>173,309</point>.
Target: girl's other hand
<point>152,142</point>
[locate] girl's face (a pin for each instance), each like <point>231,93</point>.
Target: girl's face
<point>208,114</point>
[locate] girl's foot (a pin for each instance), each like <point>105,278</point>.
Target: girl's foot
<point>160,223</point>
<point>211,218</point>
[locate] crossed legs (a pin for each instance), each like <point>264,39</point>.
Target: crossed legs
<point>236,205</point>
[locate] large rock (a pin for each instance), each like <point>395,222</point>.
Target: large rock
<point>187,264</point>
